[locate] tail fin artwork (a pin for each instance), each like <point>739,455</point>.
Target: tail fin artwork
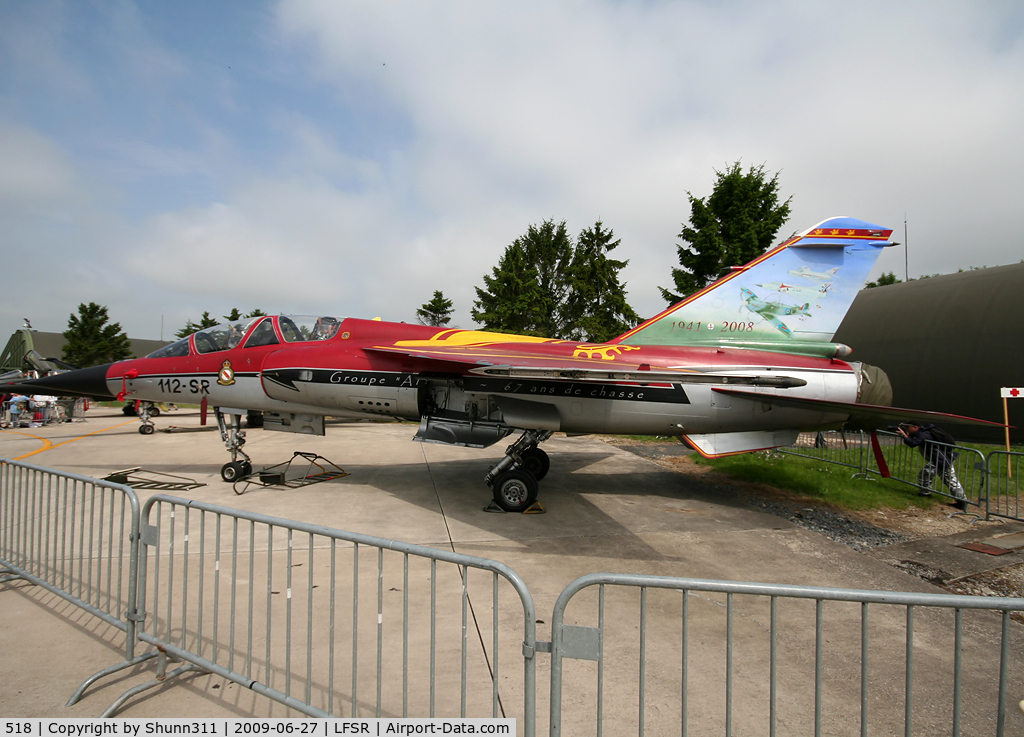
<point>791,299</point>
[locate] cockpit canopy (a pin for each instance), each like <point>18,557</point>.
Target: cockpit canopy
<point>224,337</point>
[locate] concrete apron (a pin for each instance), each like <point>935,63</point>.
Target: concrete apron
<point>607,511</point>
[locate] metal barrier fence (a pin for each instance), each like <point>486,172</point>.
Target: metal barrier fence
<point>274,606</point>
<point>991,484</point>
<point>75,537</point>
<point>907,464</point>
<point>834,446</point>
<point>677,655</point>
<point>1004,469</point>
<point>281,608</point>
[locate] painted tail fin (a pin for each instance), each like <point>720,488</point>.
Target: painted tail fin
<point>792,298</point>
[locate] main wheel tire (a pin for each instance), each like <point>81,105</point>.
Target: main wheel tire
<point>128,410</point>
<point>154,411</point>
<point>536,461</point>
<point>515,490</point>
<point>146,429</point>
<point>233,471</point>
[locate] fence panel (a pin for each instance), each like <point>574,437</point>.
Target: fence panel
<point>648,654</point>
<point>335,623</point>
<point>1004,498</point>
<point>833,446</point>
<point>74,536</point>
<point>907,465</point>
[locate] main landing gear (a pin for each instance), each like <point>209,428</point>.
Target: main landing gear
<point>233,435</point>
<point>514,481</point>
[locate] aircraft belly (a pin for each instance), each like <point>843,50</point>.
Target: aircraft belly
<point>585,415</point>
<point>245,392</point>
<point>348,393</point>
<point>736,414</point>
<point>589,407</point>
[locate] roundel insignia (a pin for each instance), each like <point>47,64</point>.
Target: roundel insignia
<point>226,377</point>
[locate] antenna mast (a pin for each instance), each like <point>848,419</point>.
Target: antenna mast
<point>906,249</point>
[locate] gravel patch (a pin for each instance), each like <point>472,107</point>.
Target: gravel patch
<point>854,533</point>
<point>860,531</point>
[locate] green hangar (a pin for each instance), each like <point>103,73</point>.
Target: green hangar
<point>948,343</point>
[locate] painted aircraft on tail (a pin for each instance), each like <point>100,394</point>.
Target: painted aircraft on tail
<point>797,289</point>
<point>770,310</point>
<point>808,273</point>
<point>698,370</point>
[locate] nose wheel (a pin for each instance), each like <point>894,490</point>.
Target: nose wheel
<point>235,470</point>
<point>145,411</point>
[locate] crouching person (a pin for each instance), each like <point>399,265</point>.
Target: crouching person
<point>935,444</point>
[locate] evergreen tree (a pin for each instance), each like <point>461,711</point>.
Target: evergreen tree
<point>546,285</point>
<point>884,280</point>
<point>596,309</point>
<point>236,315</point>
<point>90,341</point>
<point>731,227</point>
<point>191,327</point>
<point>526,290</point>
<point>437,312</point>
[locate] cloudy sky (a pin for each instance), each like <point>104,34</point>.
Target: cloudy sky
<point>349,158</point>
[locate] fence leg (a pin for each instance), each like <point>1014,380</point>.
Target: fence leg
<point>862,463</point>
<point>162,677</point>
<point>7,575</point>
<point>80,691</point>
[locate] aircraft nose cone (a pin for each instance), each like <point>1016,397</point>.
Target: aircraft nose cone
<point>89,382</point>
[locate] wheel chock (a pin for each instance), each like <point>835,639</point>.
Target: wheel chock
<point>534,508</point>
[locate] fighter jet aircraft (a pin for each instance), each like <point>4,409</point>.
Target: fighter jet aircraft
<point>697,371</point>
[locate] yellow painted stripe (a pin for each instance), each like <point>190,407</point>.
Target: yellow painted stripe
<point>47,445</point>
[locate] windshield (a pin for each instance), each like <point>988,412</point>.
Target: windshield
<point>222,337</point>
<point>294,328</point>
<point>174,350</point>
<point>300,328</point>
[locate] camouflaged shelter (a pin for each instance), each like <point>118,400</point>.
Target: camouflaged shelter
<point>948,343</point>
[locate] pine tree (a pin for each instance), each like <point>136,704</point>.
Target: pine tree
<point>734,225</point>
<point>596,309</point>
<point>546,285</point>
<point>885,280</point>
<point>525,291</point>
<point>191,327</point>
<point>90,341</point>
<point>437,312</point>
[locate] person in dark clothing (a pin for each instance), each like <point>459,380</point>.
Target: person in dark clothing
<point>939,458</point>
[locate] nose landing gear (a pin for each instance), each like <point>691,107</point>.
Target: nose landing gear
<point>233,435</point>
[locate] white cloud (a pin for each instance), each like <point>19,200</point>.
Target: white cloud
<point>613,111</point>
<point>418,139</point>
<point>36,175</point>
